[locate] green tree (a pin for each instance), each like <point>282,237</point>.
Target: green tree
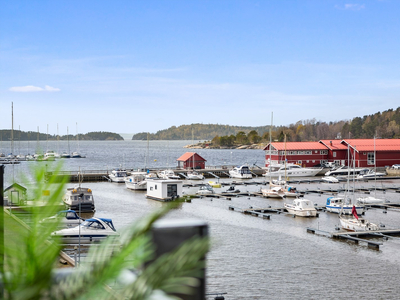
<point>31,253</point>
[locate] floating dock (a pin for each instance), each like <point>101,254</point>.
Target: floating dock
<point>356,236</point>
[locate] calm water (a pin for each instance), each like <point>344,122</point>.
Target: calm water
<point>251,258</point>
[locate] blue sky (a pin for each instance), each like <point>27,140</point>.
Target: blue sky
<point>133,66</point>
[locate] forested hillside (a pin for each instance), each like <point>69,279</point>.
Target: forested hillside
<point>381,125</point>
<point>5,135</point>
<point>200,132</point>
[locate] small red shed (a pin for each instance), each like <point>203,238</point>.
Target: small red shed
<point>191,160</point>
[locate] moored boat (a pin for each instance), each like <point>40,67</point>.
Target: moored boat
<point>79,199</point>
<point>65,218</point>
<point>91,230</point>
<point>301,208</point>
<point>118,175</point>
<point>339,205</point>
<point>136,181</point>
<point>241,172</point>
<point>273,192</point>
<point>293,170</point>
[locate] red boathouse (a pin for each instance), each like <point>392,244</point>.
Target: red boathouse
<point>191,160</point>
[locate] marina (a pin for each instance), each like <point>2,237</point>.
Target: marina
<point>259,253</point>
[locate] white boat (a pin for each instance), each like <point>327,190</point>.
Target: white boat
<point>117,175</point>
<point>205,190</point>
<point>273,192</point>
<point>339,205</point>
<point>289,190</point>
<point>65,218</point>
<point>136,181</point>
<point>344,171</point>
<point>329,179</point>
<point>293,170</point>
<point>91,230</point>
<point>49,155</point>
<point>355,223</point>
<point>370,200</point>
<point>241,172</point>
<point>65,155</point>
<point>79,199</point>
<point>195,176</point>
<point>167,174</point>
<point>369,173</point>
<point>76,154</point>
<point>301,208</point>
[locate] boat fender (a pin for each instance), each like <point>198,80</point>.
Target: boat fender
<point>89,190</point>
<point>74,191</point>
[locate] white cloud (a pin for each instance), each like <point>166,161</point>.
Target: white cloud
<point>351,6</point>
<point>31,88</point>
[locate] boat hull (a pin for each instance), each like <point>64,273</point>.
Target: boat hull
<point>302,213</point>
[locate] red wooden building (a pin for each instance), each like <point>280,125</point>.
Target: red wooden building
<point>363,151</point>
<point>191,160</point>
<point>306,154</point>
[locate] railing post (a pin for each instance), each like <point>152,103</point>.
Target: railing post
<point>2,226</point>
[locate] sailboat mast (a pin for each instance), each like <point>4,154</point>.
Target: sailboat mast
<point>69,150</point>
<point>12,128</point>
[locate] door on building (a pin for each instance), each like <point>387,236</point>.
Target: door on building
<point>172,190</point>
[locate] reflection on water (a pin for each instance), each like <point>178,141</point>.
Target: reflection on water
<point>253,258</point>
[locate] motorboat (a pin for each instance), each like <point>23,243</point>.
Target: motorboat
<point>195,176</point>
<point>65,218</point>
<point>79,199</point>
<point>241,172</point>
<point>117,175</point>
<point>205,190</point>
<point>150,175</point>
<point>49,155</point>
<point>167,174</point>
<point>214,184</point>
<point>369,173</point>
<point>232,189</point>
<point>136,181</point>
<point>293,170</point>
<point>344,171</point>
<point>273,192</point>
<point>339,205</point>
<point>370,200</point>
<point>301,208</point>
<point>329,179</point>
<point>91,230</point>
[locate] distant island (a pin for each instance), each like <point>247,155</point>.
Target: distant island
<point>380,125</point>
<point>19,135</point>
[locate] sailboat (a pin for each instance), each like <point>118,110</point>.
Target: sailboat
<point>66,154</point>
<point>76,154</point>
<point>372,199</point>
<point>274,191</point>
<point>354,222</point>
<point>343,205</point>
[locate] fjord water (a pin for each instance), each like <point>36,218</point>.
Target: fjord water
<point>251,258</point>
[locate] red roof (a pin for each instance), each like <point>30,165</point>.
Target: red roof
<point>189,155</point>
<point>334,144</point>
<point>371,144</point>
<point>289,146</point>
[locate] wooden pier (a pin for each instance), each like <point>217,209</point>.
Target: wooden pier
<point>355,236</point>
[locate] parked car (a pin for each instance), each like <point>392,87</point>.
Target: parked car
<point>396,166</point>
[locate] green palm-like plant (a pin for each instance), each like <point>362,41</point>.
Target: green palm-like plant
<point>31,255</point>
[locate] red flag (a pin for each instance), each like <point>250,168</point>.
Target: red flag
<point>354,212</point>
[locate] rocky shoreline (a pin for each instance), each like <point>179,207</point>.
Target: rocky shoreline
<point>206,145</point>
